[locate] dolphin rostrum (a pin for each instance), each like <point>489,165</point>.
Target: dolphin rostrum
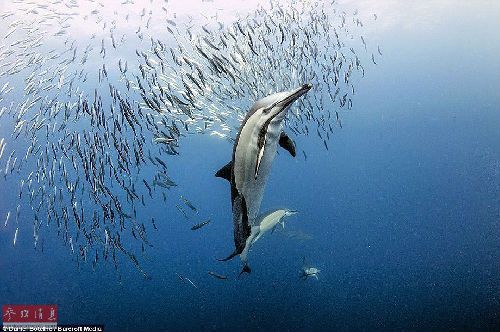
<point>253,153</point>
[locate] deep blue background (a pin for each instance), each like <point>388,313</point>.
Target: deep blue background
<point>403,210</point>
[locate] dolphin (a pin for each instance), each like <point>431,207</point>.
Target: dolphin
<point>253,153</point>
<point>308,271</point>
<point>266,222</point>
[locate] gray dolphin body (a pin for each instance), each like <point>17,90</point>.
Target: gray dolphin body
<point>253,153</point>
<point>265,223</point>
<point>268,221</point>
<point>308,271</point>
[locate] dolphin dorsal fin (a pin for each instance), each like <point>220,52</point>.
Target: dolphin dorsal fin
<point>225,171</point>
<point>287,144</point>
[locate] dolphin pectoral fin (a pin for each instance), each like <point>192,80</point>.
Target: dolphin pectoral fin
<point>228,257</point>
<point>286,143</point>
<point>245,269</point>
<point>282,226</point>
<point>225,172</point>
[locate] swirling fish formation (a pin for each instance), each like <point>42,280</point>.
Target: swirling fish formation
<point>90,119</point>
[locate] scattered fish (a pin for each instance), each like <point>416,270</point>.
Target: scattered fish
<point>216,275</point>
<point>200,225</point>
<point>181,277</point>
<point>7,219</point>
<point>15,235</point>
<point>189,204</point>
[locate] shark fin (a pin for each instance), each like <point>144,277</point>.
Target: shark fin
<point>225,172</point>
<point>286,143</point>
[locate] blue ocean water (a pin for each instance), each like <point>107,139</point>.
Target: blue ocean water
<point>402,213</point>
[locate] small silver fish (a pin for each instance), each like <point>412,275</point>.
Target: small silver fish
<point>216,275</point>
<point>15,235</point>
<point>200,225</point>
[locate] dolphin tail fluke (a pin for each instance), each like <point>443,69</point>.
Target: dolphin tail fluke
<point>235,253</point>
<point>245,269</point>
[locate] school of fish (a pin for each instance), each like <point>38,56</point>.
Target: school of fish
<point>86,116</point>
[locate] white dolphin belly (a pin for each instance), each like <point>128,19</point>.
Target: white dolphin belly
<point>246,154</point>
